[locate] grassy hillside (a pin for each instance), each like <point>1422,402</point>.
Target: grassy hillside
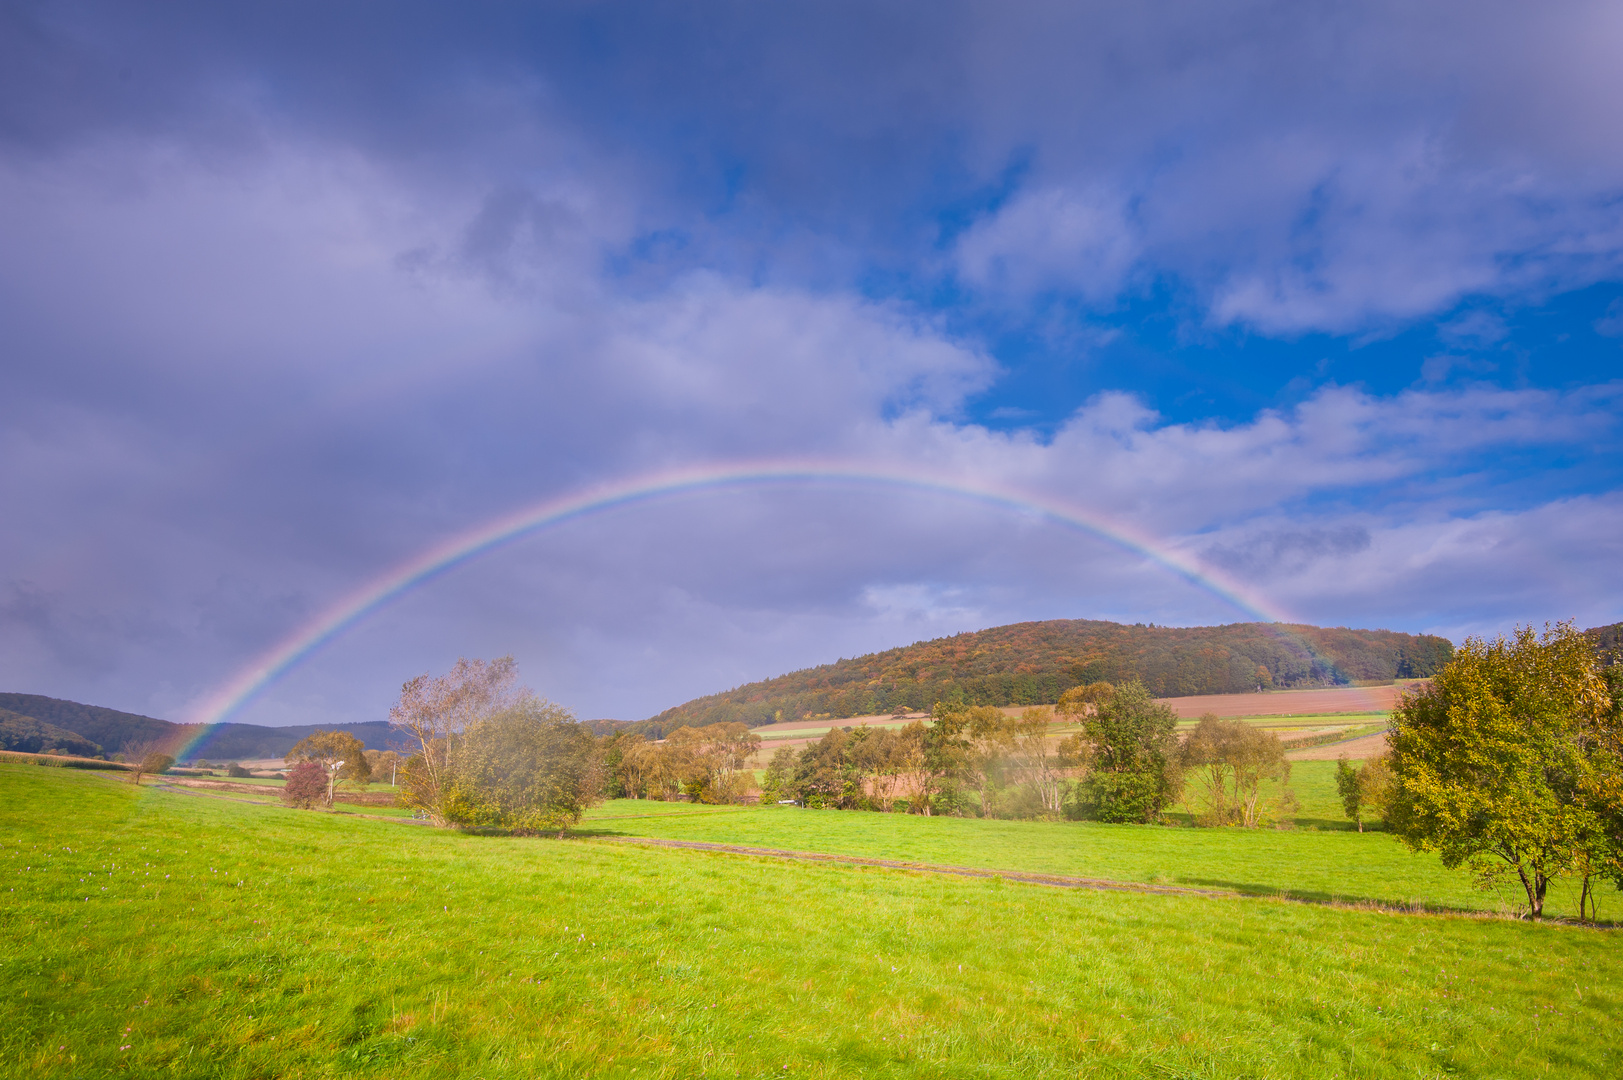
<point>148,932</point>
<point>1033,663</point>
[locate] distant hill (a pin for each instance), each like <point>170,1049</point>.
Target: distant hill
<point>1033,663</point>
<point>1608,642</point>
<point>32,736</point>
<point>247,742</point>
<point>110,731</point>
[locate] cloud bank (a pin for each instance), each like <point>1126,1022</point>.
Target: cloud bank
<point>290,297</point>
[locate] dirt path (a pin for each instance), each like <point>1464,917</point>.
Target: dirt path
<point>1057,880</point>
<point>1360,749</point>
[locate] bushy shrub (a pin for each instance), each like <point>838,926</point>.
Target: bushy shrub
<point>530,768</point>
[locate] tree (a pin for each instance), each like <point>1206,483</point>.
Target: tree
<point>1506,762</point>
<point>432,711</point>
<point>530,767</point>
<point>988,740</point>
<point>1363,789</point>
<point>1605,786</point>
<point>384,765</point>
<point>613,747</point>
<point>145,758</point>
<point>340,755</point>
<point>1350,790</point>
<point>1081,701</point>
<point>236,770</point>
<point>155,762</point>
<point>824,775</point>
<point>1257,755</point>
<point>944,761</point>
<point>709,760</point>
<point>1230,760</point>
<point>641,766</point>
<point>1205,753</point>
<point>1131,748</point>
<point>895,757</point>
<point>306,785</point>
<point>777,780</point>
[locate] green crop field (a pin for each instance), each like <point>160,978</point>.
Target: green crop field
<point>149,932</point>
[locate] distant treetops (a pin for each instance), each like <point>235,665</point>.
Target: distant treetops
<point>1034,663</point>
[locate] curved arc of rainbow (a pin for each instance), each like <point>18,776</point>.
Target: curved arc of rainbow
<point>249,682</point>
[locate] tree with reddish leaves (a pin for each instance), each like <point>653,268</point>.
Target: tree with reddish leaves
<point>306,785</point>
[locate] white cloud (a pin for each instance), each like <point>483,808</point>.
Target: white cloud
<point>1075,241</point>
<point>241,385</point>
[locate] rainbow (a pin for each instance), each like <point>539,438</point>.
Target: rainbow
<point>252,680</point>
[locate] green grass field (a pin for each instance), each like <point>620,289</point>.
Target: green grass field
<point>148,932</point>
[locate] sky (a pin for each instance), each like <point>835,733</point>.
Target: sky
<point>1322,302</point>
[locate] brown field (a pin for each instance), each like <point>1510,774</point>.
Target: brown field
<point>1341,699</point>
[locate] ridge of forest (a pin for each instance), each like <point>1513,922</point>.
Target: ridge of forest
<point>35,723</point>
<point>1032,663</point>
<point>1020,664</point>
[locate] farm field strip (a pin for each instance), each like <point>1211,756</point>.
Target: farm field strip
<point>225,941</point>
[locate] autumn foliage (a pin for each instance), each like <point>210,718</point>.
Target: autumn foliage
<point>1034,663</point>
<point>306,785</point>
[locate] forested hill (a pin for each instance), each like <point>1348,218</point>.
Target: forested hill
<point>1608,642</point>
<point>1033,663</point>
<point>33,722</point>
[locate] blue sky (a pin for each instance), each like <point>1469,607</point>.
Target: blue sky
<point>1326,299</point>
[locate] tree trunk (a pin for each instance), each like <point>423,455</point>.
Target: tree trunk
<point>1535,885</point>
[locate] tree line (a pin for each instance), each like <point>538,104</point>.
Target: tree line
<point>1125,763</point>
<point>1509,763</point>
<point>487,754</point>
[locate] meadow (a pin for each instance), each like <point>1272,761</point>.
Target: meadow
<point>152,932</point>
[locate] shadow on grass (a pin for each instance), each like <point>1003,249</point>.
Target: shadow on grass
<point>1336,825</point>
<point>1332,899</point>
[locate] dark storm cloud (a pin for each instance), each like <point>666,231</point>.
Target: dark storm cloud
<point>291,293</point>
<point>1272,553</point>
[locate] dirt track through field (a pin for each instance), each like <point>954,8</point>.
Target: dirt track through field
<point>1360,749</point>
<point>1056,880</point>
